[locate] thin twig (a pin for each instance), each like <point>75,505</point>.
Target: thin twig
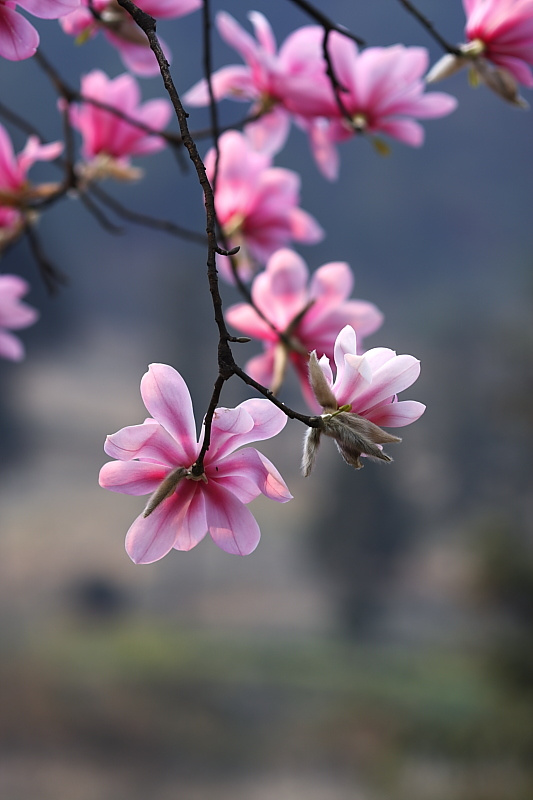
<point>430,28</point>
<point>326,22</point>
<point>144,219</point>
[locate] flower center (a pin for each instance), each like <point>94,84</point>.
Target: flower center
<point>474,49</point>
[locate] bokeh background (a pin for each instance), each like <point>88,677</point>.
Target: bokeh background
<point>378,645</point>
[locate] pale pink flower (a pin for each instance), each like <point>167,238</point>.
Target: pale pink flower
<point>499,47</point>
<point>18,37</point>
<point>108,139</point>
<point>14,314</point>
<point>383,93</point>
<point>157,457</point>
<point>256,204</point>
<point>276,82</point>
<point>15,188</point>
<point>361,398</point>
<point>122,32</point>
<point>308,311</point>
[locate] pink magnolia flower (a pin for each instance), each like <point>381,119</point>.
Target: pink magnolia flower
<point>499,47</point>
<point>309,314</point>
<point>383,94</point>
<point>18,37</point>
<point>108,139</point>
<point>158,456</point>
<point>14,314</point>
<point>122,32</point>
<point>15,189</point>
<point>277,83</point>
<point>256,204</point>
<point>361,398</point>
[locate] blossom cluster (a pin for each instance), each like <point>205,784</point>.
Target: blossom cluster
<point>332,90</point>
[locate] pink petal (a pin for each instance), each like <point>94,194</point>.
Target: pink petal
<point>166,396</point>
<point>269,133</point>
<point>255,421</point>
<point>246,319</point>
<point>231,525</point>
<point>247,474</point>
<point>237,37</point>
<point>234,82</point>
<point>168,9</point>
<point>11,347</point>
<point>48,9</point>
<point>149,441</point>
<point>304,227</point>
<point>281,290</point>
<point>390,379</point>
<point>18,37</point>
<point>192,522</point>
<point>150,538</point>
<point>396,415</point>
<point>263,32</point>
<point>132,477</point>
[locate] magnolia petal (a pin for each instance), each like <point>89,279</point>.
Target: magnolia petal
<point>246,319</point>
<point>192,522</point>
<point>233,82</point>
<point>247,474</point>
<point>48,9</point>
<point>132,477</point>
<point>18,37</point>
<point>395,375</point>
<point>149,441</point>
<point>304,227</point>
<point>269,133</point>
<point>150,538</point>
<point>396,415</point>
<point>258,420</point>
<point>234,35</point>
<point>232,526</point>
<point>263,32</point>
<point>11,347</point>
<point>166,396</point>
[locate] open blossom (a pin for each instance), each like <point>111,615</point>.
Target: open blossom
<point>108,140</point>
<point>14,314</point>
<point>18,37</point>
<point>361,398</point>
<point>499,47</point>
<point>256,204</point>
<point>308,312</point>
<point>277,83</point>
<point>157,458</point>
<point>15,188</point>
<point>383,93</point>
<point>122,32</point>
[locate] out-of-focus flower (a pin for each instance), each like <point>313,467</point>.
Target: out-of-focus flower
<point>277,83</point>
<point>309,314</point>
<point>499,47</point>
<point>256,204</point>
<point>362,397</point>
<point>15,189</point>
<point>382,93</point>
<point>18,37</point>
<point>108,140</point>
<point>122,32</point>
<point>14,314</point>
<point>157,457</point>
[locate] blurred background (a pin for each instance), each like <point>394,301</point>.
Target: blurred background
<point>378,645</point>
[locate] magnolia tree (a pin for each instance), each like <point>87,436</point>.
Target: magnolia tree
<point>330,84</point>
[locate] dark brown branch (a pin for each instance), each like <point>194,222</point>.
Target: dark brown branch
<point>430,28</point>
<point>326,22</point>
<point>52,277</point>
<point>143,219</point>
